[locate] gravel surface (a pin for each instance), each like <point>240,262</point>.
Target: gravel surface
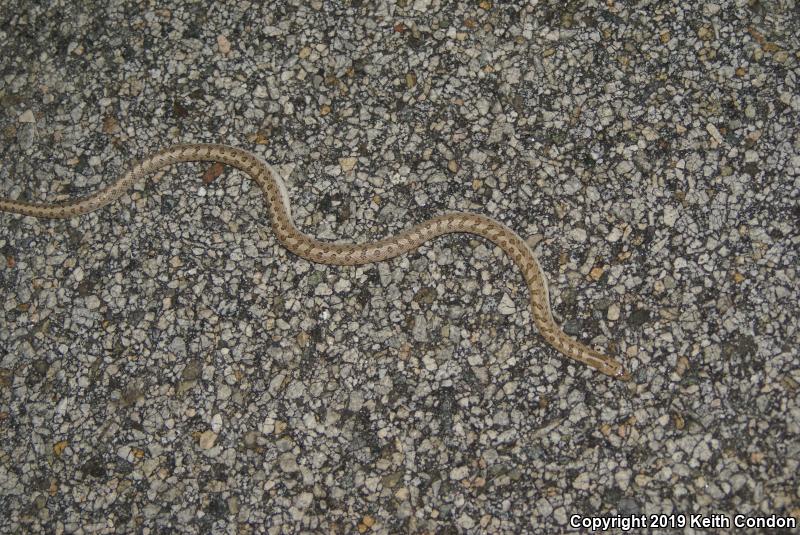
<point>165,365</point>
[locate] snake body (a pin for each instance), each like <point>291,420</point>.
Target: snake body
<point>341,254</point>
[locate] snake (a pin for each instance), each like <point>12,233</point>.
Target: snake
<point>340,254</point>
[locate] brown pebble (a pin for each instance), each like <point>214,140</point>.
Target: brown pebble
<point>596,273</point>
<point>213,172</point>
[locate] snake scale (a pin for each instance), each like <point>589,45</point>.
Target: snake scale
<point>341,254</point>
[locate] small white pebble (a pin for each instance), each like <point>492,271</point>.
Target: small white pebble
<point>506,306</point>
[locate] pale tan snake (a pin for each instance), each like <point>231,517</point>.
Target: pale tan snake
<point>338,253</point>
